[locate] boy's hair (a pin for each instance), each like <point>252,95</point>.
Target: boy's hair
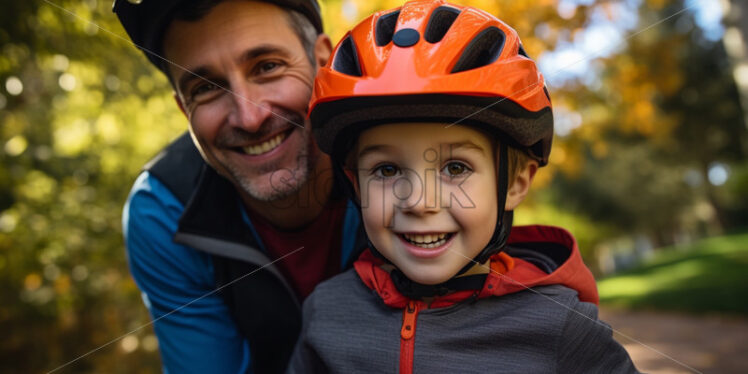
<point>517,161</point>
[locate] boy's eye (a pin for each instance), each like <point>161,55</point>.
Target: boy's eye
<point>455,169</point>
<point>386,171</point>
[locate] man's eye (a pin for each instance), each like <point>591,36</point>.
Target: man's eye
<point>455,169</point>
<point>202,90</point>
<point>269,66</point>
<point>386,171</point>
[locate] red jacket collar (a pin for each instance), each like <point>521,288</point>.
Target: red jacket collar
<point>508,275</point>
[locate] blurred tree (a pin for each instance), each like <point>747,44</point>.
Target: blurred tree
<point>78,113</point>
<point>710,120</point>
<point>665,111</point>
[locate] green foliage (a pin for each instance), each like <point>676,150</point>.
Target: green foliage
<point>89,114</point>
<point>708,276</point>
<point>631,189</point>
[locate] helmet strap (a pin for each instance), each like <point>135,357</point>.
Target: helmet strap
<point>504,219</point>
<point>415,290</point>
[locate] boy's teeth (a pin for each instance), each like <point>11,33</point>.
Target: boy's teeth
<point>426,241</point>
<point>427,238</point>
<point>264,147</point>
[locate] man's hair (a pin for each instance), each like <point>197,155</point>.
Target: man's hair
<point>194,10</point>
<point>304,30</point>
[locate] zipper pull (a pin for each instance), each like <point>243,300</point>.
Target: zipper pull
<point>409,320</point>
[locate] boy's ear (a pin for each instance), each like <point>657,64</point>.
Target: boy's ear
<point>521,185</point>
<point>322,50</point>
<point>351,175</point>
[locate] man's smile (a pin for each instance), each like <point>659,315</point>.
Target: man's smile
<point>266,145</point>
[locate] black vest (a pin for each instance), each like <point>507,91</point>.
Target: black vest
<point>262,303</point>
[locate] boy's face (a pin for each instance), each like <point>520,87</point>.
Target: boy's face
<point>428,196</point>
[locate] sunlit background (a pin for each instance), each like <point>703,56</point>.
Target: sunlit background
<point>648,167</point>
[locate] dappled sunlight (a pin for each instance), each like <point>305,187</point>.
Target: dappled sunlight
<point>708,276</point>
<point>633,285</point>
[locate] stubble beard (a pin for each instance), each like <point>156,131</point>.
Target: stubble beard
<point>272,181</point>
<point>263,188</point>
<point>255,181</point>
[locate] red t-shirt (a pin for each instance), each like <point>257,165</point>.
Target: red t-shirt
<point>321,239</point>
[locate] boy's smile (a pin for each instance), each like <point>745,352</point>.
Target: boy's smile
<point>428,196</point>
<point>428,245</point>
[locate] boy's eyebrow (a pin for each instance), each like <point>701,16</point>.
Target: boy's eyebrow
<point>463,144</point>
<point>467,144</point>
<point>374,148</point>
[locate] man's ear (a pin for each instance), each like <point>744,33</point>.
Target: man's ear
<point>519,188</point>
<point>179,103</point>
<point>322,50</point>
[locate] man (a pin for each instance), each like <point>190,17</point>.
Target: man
<point>231,226</point>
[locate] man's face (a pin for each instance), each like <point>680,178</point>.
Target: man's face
<point>247,107</point>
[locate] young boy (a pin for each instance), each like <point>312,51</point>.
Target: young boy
<point>439,121</point>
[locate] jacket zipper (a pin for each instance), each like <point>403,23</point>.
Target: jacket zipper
<point>407,337</point>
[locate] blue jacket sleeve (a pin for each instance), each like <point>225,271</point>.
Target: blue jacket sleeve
<point>195,331</point>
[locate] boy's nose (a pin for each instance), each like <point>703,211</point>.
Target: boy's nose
<point>418,193</point>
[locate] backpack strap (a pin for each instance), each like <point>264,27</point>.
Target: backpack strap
<point>178,167</point>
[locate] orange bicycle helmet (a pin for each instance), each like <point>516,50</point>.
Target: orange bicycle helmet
<point>432,61</point>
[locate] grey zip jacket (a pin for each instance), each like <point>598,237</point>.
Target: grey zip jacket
<point>536,313</point>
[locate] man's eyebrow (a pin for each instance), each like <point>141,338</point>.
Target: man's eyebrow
<point>202,72</point>
<point>260,50</point>
<point>199,73</point>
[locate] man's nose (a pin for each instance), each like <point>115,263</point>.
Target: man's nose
<point>418,192</point>
<point>249,110</point>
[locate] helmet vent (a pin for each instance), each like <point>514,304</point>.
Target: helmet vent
<point>482,50</point>
<point>346,58</point>
<point>441,20</point>
<point>386,28</point>
<point>522,52</point>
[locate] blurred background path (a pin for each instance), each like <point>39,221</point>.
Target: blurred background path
<point>688,302</point>
<point>710,344</point>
